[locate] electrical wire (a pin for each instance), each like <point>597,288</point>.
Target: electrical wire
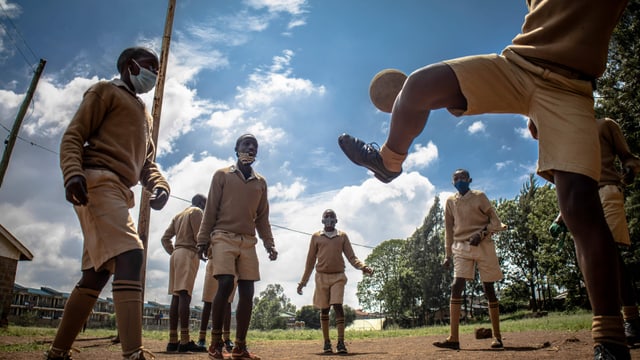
<point>185,200</point>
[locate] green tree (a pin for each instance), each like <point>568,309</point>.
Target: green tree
<point>382,292</point>
<point>349,316</point>
<point>619,98</point>
<point>534,259</point>
<point>427,281</point>
<point>269,307</point>
<point>310,315</point>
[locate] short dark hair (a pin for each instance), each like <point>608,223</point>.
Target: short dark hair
<point>464,171</point>
<point>242,137</point>
<point>329,211</point>
<point>197,198</point>
<point>133,52</point>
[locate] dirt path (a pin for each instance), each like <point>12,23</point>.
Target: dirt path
<point>522,345</point>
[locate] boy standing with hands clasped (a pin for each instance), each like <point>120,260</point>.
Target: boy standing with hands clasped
<point>327,247</point>
<point>469,220</point>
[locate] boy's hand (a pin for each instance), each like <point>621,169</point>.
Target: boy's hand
<point>299,289</point>
<point>557,228</point>
<point>76,191</point>
<point>202,251</point>
<point>273,254</point>
<point>628,176</point>
<point>475,239</point>
<point>158,198</point>
<point>367,270</point>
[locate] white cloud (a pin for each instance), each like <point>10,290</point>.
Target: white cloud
<point>523,132</point>
<point>476,127</point>
<point>503,164</point>
<point>422,156</point>
<point>294,7</point>
<point>269,86</point>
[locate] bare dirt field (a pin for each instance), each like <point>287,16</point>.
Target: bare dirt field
<point>519,345</point>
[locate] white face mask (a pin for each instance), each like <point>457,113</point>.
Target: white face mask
<point>246,158</point>
<point>144,81</point>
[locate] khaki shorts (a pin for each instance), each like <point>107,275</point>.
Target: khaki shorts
<point>211,285</point>
<point>466,257</point>
<point>235,254</point>
<point>612,201</point>
<point>107,227</point>
<point>561,108</point>
<point>329,289</point>
<point>183,269</point>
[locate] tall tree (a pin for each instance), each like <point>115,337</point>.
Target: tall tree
<point>534,259</point>
<point>382,292</point>
<point>425,250</point>
<point>619,98</point>
<point>268,308</point>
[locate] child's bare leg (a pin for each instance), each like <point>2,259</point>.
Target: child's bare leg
<point>596,252</point>
<point>429,88</point>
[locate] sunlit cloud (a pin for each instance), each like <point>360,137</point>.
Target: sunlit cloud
<point>476,127</point>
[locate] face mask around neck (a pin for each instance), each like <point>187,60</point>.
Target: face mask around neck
<point>246,158</point>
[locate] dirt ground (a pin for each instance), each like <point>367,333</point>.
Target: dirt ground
<point>520,345</point>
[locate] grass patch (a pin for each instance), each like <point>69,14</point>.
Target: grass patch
<point>36,338</point>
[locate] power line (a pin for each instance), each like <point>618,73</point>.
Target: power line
<point>183,199</point>
<point>32,143</point>
<point>13,41</point>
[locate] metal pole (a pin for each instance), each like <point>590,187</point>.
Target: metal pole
<point>16,125</point>
<point>145,209</point>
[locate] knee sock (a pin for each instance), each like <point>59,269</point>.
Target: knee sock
<point>630,313</point>
<point>340,328</point>
<point>202,335</point>
<point>455,307</point>
<point>127,299</point>
<point>76,311</point>
<point>494,315</point>
<point>216,337</point>
<point>184,336</point>
<point>391,160</point>
<point>324,324</point>
<point>608,329</point>
<point>226,335</point>
<point>173,336</point>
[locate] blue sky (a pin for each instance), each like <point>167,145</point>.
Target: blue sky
<point>293,72</point>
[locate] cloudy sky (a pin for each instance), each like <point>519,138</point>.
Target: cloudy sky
<point>293,72</point>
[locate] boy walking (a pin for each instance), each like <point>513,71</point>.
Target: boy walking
<point>237,207</point>
<point>183,269</point>
<point>106,150</point>
<point>325,253</point>
<point>470,220</point>
<point>546,74</point>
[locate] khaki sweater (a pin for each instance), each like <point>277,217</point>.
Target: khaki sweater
<point>111,130</point>
<point>237,205</point>
<point>184,227</point>
<point>612,146</point>
<point>572,34</point>
<point>465,215</point>
<point>328,253</point>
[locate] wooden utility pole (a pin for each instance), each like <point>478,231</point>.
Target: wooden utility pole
<point>16,125</point>
<point>145,209</point>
